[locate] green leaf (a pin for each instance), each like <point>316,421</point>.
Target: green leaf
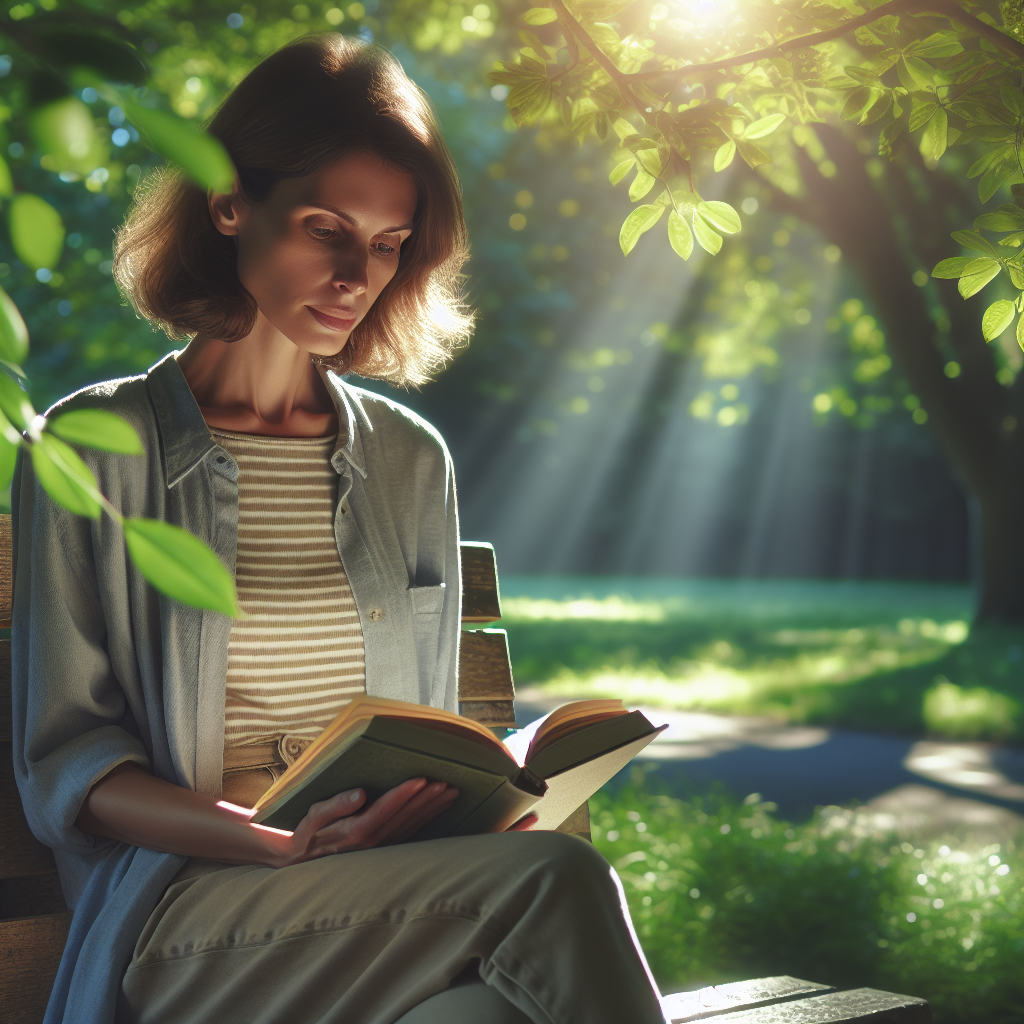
<point>1012,98</point>
<point>650,160</point>
<point>936,46</point>
<point>64,130</point>
<point>1007,218</point>
<point>971,283</point>
<point>724,155</point>
<point>858,101</point>
<point>6,181</point>
<point>997,318</point>
<point>933,138</point>
<point>920,71</point>
<point>972,240</point>
<point>642,184</point>
<point>994,178</point>
<point>623,128</point>
<point>13,332</point>
<point>37,231</point>
<point>1016,276</point>
<point>952,268</point>
<point>14,403</point>
<point>708,239</point>
<point>679,235</point>
<point>94,428</point>
<point>180,565</point>
<point>619,171</point>
<point>753,155</point>
<point>720,215</point>
<point>921,114</point>
<point>1020,333</point>
<point>642,219</point>
<point>65,477</point>
<point>762,127</point>
<point>8,456</point>
<point>202,157</point>
<point>540,16</point>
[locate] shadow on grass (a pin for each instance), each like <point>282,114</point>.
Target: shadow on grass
<point>868,657</point>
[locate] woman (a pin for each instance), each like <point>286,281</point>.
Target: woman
<point>142,725</point>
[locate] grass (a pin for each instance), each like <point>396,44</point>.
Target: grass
<point>898,657</point>
<point>722,891</point>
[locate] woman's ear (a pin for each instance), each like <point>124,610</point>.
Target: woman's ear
<point>226,211</point>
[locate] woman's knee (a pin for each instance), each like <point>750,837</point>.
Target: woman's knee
<point>572,862</point>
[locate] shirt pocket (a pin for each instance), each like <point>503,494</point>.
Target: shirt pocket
<point>426,604</point>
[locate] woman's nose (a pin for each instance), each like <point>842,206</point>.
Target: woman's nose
<point>350,272</point>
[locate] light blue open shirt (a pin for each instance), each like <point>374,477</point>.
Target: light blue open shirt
<point>106,670</point>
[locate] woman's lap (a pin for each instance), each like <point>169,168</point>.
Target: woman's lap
<point>365,936</point>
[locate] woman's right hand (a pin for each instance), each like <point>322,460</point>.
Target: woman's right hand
<point>345,822</point>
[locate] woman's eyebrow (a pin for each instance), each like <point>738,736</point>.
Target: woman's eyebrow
<point>351,220</point>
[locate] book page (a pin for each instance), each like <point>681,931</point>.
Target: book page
<point>533,738</point>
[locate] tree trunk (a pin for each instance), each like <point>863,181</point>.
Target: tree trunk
<point>886,232</point>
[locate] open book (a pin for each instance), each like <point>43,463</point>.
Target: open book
<point>549,768</point>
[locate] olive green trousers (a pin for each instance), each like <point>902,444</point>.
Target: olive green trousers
<point>368,936</point>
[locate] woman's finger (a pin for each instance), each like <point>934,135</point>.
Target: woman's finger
<point>357,831</point>
<point>404,826</point>
<point>524,824</point>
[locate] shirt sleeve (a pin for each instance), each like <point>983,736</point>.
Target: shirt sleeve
<point>71,719</point>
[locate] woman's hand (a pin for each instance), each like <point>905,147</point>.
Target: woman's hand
<point>524,824</point>
<point>345,822</point>
<point>131,806</point>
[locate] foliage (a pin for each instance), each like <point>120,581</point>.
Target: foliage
<point>878,656</point>
<point>721,891</point>
<point>685,87</point>
<point>93,62</point>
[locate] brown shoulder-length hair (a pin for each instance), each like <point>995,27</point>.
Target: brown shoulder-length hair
<point>313,101</point>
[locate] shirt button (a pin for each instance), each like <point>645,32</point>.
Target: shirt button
<point>376,614</point>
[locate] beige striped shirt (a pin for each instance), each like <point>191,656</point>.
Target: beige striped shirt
<point>297,657</point>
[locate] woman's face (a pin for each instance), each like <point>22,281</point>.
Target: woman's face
<point>319,251</point>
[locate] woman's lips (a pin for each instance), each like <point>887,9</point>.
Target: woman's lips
<point>333,323</point>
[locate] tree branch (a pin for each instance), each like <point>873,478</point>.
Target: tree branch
<point>574,30</point>
<point>944,8</point>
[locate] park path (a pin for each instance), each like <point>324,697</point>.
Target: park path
<point>920,788</point>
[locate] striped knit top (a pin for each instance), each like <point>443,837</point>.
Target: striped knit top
<point>296,658</point>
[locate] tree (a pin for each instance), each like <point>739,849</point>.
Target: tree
<point>795,89</point>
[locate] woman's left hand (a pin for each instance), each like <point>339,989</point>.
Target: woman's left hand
<point>524,824</point>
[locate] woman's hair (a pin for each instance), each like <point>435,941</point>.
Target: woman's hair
<point>312,102</point>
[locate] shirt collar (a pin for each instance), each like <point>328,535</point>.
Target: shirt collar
<point>185,438</point>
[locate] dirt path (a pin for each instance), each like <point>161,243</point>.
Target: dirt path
<point>917,787</point>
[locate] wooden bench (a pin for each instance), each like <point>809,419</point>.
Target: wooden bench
<point>34,919</point>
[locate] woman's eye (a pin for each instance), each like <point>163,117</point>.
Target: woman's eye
<point>320,232</point>
<point>383,249</point>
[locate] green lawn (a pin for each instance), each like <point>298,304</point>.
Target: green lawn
<point>722,891</point>
<point>890,656</point>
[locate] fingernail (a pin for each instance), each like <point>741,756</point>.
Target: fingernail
<point>355,795</point>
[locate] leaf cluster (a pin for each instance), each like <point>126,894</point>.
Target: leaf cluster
<point>684,95</point>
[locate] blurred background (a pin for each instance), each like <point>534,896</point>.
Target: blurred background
<point>712,492</point>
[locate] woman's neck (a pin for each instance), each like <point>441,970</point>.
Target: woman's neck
<point>262,384</point>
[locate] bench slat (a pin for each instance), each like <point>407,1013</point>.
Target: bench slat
<point>682,1007</point>
<point>480,598</point>
<point>30,951</point>
<point>21,854</point>
<point>493,714</point>
<point>857,1005</point>
<point>6,599</point>
<point>485,670</point>
<point>5,691</point>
